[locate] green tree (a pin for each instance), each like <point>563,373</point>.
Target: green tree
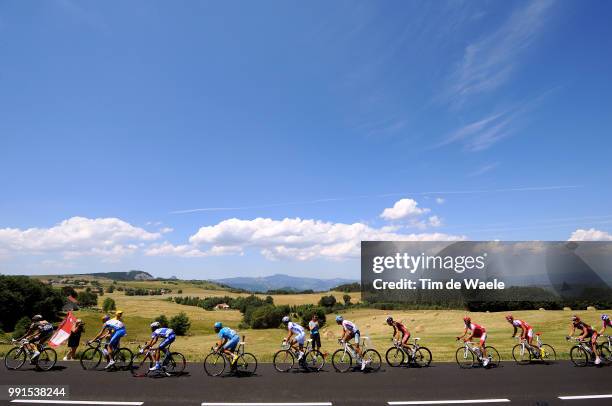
<point>22,326</point>
<point>180,324</point>
<point>108,305</point>
<point>327,301</point>
<point>87,299</point>
<point>347,299</point>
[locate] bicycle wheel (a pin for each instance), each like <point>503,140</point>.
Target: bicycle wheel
<point>548,353</point>
<point>422,357</point>
<point>246,364</point>
<point>15,358</point>
<point>342,360</point>
<point>314,360</point>
<point>175,363</point>
<point>141,362</point>
<point>91,359</point>
<point>214,364</point>
<point>373,360</point>
<point>579,356</point>
<point>494,358</point>
<point>605,354</point>
<point>47,359</point>
<point>465,358</point>
<point>521,354</point>
<point>283,360</point>
<point>395,357</point>
<point>123,359</point>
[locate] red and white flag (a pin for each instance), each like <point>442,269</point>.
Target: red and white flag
<point>63,331</point>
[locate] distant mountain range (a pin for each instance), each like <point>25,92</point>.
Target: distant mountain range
<point>280,281</point>
<point>125,276</point>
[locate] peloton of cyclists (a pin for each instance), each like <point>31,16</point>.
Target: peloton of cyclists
<point>157,332</point>
<point>37,334</point>
<point>298,331</point>
<point>476,331</point>
<point>399,329</point>
<point>350,331</point>
<point>228,340</point>
<point>115,328</point>
<point>587,332</point>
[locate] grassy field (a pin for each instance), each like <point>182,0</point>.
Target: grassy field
<point>436,328</point>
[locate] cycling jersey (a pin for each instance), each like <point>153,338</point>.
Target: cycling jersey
<point>227,333</point>
<point>42,327</point>
<point>295,328</point>
<point>113,325</point>
<point>163,332</point>
<point>477,330</point>
<point>349,326</point>
<point>397,326</point>
<point>607,323</point>
<point>585,328</point>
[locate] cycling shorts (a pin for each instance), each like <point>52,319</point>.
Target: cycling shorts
<point>483,338</point>
<point>300,338</point>
<point>530,333</point>
<point>167,341</point>
<point>116,338</point>
<point>356,335</point>
<point>231,344</point>
<point>405,337</point>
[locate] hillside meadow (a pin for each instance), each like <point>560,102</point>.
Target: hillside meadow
<point>436,328</point>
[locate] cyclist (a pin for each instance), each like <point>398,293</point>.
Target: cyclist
<point>477,331</point>
<point>399,328</point>
<point>350,331</point>
<point>300,335</point>
<point>587,332</point>
<point>168,336</point>
<point>115,328</point>
<point>526,329</point>
<point>38,333</point>
<point>606,323</point>
<point>228,340</point>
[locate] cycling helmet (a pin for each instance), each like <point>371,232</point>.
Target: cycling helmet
<point>286,319</point>
<point>105,318</point>
<point>155,325</point>
<point>37,317</point>
<point>119,313</point>
<point>218,325</point>
<point>467,319</point>
<point>575,318</point>
<point>509,317</point>
<point>605,317</point>
<point>339,319</point>
<point>389,320</point>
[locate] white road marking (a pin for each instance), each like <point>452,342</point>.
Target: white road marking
<point>449,402</point>
<point>75,402</point>
<point>585,397</point>
<point>268,404</point>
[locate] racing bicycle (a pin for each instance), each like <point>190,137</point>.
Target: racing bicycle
<point>218,361</point>
<point>410,354</point>
<point>284,359</point>
<point>605,349</point>
<point>523,353</point>
<point>342,359</point>
<point>92,358</point>
<point>582,354</point>
<point>469,356</point>
<point>172,363</point>
<point>18,355</point>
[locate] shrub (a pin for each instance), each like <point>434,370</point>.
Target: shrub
<point>163,320</point>
<point>180,324</point>
<point>327,301</point>
<point>110,289</point>
<point>87,299</point>
<point>108,305</point>
<point>21,326</point>
<point>347,299</point>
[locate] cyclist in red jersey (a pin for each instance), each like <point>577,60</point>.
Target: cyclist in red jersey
<point>606,323</point>
<point>526,330</point>
<point>397,329</point>
<point>477,331</point>
<point>587,332</point>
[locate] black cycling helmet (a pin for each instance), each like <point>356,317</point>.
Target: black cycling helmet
<point>389,320</point>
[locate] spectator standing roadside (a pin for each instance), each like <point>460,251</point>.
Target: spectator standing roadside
<point>74,339</point>
<point>313,326</point>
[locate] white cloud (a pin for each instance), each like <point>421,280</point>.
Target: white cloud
<point>404,208</point>
<point>440,200</point>
<point>77,236</point>
<point>435,221</point>
<point>590,235</point>
<point>290,238</point>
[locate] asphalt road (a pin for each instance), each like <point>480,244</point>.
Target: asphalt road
<point>522,385</point>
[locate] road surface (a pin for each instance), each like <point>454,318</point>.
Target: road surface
<point>443,382</point>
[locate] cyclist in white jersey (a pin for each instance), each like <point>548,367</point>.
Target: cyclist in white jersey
<point>350,331</point>
<point>299,333</point>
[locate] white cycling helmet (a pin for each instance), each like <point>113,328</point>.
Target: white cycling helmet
<point>155,325</point>
<point>286,319</point>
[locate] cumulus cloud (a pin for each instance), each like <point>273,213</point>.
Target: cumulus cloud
<point>402,209</point>
<point>590,235</point>
<point>440,200</point>
<point>290,238</point>
<point>77,236</point>
<point>435,221</point>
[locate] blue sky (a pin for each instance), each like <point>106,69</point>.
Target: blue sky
<point>211,139</point>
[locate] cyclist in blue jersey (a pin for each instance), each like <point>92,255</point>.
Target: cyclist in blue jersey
<point>116,329</point>
<point>168,337</point>
<point>300,335</point>
<point>228,340</point>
